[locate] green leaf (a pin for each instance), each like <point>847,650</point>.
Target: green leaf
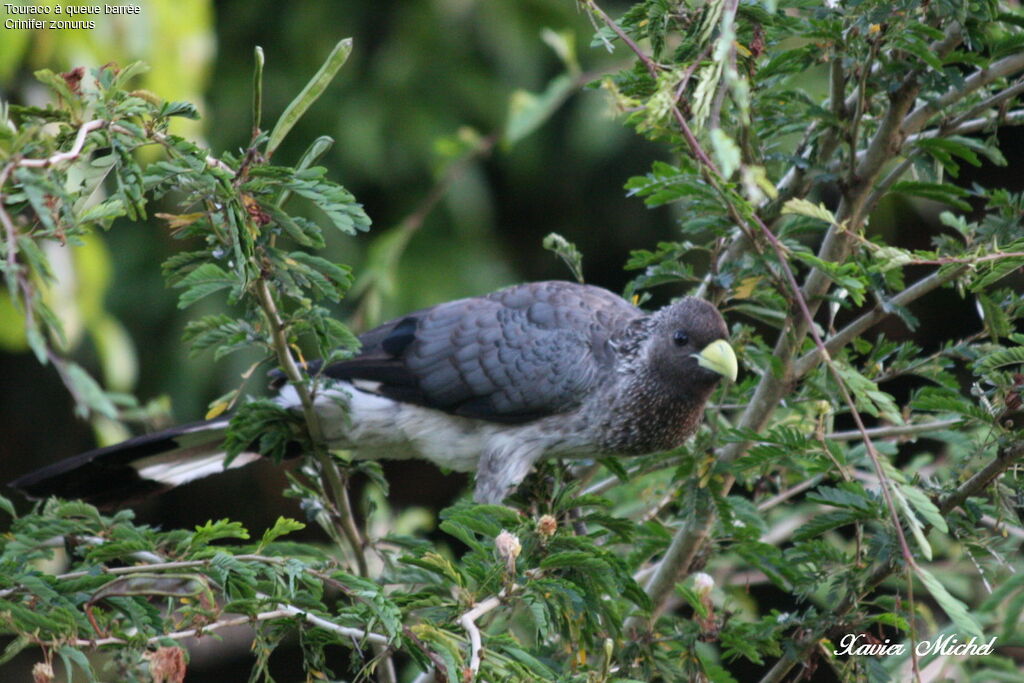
<point>60,86</point>
<point>568,252</point>
<point>201,282</point>
<point>7,506</point>
<point>282,526</point>
<point>103,212</point>
<point>953,607</point>
<point>220,331</point>
<point>439,565</point>
<point>939,192</point>
<point>996,320</point>
<point>941,400</point>
<point>563,43</point>
<point>996,270</point>
<point>712,669</point>
<point>727,153</point>
<point>88,392</point>
<point>1002,592</point>
<point>1000,359</point>
<point>325,278</point>
<point>337,203</point>
<point>70,655</point>
<point>867,396</point>
<point>802,207</point>
<point>185,110</point>
<point>924,507</point>
<point>527,112</point>
<point>14,647</point>
<point>571,559</point>
<point>850,495</point>
<point>1011,622</point>
<point>215,531</point>
<point>261,425</point>
<point>913,523</point>
<point>849,276</point>
<point>919,48</point>
<point>316,151</point>
<point>305,99</point>
<point>124,75</point>
<point>827,521</point>
<point>306,233</point>
<point>257,88</point>
<point>944,149</point>
<point>891,619</point>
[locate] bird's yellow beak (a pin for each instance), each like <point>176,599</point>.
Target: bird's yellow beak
<point>719,357</point>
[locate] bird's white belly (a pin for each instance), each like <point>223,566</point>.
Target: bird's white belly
<point>375,427</point>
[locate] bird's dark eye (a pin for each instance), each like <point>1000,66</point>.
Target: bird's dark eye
<point>680,338</point>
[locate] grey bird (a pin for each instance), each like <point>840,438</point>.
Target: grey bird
<point>489,384</point>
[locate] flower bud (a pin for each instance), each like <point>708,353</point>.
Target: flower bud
<point>42,673</point>
<point>703,584</point>
<point>508,547</point>
<point>547,526</point>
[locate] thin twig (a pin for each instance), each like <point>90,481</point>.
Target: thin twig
<point>783,496</point>
<point>808,361</point>
<point>990,103</point>
<point>341,516</point>
<point>1010,118</point>
<point>897,430</point>
<point>1005,459</point>
<point>1006,66</point>
<point>69,155</point>
<point>163,140</point>
<point>468,622</point>
<point>280,612</point>
<point>440,667</point>
<point>1001,525</point>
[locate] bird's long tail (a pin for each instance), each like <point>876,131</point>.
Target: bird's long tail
<point>136,468</point>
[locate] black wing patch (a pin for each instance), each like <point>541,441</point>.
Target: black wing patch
<point>403,334</point>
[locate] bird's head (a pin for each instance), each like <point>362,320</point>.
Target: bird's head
<point>687,346</point>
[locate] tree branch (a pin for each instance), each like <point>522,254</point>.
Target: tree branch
<point>71,154</point>
<point>1006,66</point>
<point>808,361</point>
<point>783,496</point>
<point>896,430</point>
<point>968,126</point>
<point>1005,459</point>
<point>282,611</point>
<point>468,622</point>
<point>341,517</point>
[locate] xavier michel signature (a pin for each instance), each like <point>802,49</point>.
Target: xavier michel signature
<point>863,644</point>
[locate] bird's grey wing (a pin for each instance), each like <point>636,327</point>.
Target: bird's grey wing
<point>515,355</point>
